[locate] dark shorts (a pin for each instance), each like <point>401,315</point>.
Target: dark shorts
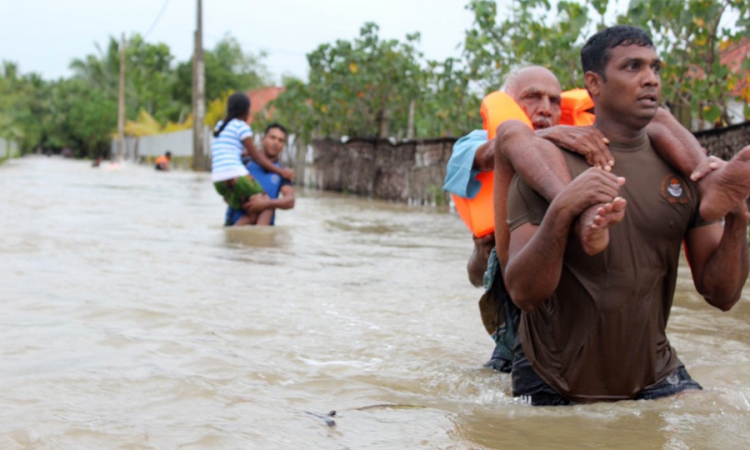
<point>238,192</point>
<point>530,386</point>
<point>500,316</point>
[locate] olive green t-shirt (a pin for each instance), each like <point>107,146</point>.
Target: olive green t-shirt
<point>601,335</point>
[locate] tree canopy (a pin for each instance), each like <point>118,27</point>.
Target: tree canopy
<point>370,86</point>
<point>80,112</point>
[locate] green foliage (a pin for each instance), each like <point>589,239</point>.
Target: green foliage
<point>81,112</point>
<point>227,67</point>
<point>374,87</point>
<point>83,118</point>
<point>528,36</point>
<point>293,108</point>
<point>369,86</point>
<point>364,86</point>
<point>689,35</point>
<point>449,107</point>
<point>22,100</point>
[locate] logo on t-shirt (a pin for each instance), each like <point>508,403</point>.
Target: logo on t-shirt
<point>674,190</point>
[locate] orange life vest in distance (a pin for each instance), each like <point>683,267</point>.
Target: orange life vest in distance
<point>162,161</point>
<point>478,213</point>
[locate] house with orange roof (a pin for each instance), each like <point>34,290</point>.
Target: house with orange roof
<point>739,93</point>
<point>732,57</point>
<point>260,98</point>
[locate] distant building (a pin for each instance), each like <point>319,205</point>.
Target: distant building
<point>259,98</point>
<point>732,57</point>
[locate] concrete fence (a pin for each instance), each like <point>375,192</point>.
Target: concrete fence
<point>409,172</point>
<point>8,149</point>
<point>725,142</point>
<point>414,171</point>
<point>146,149</point>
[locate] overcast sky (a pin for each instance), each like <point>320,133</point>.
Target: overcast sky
<point>45,35</point>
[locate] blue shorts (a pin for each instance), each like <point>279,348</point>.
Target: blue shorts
<point>232,216</point>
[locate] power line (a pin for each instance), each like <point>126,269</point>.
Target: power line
<point>156,21</point>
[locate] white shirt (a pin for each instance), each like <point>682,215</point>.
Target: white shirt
<point>226,151</point>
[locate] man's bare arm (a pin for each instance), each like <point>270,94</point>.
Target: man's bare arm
<point>720,186</point>
<point>477,264</point>
<point>287,198</point>
<point>484,158</point>
<point>539,162</point>
<point>719,259</point>
<point>675,143</point>
<point>262,202</point>
<point>536,250</point>
<point>260,158</point>
<point>586,140</point>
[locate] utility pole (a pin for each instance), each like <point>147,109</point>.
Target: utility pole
<point>121,104</point>
<point>199,87</point>
<point>410,123</point>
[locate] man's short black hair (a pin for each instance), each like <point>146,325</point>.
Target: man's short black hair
<point>595,53</point>
<point>168,154</point>
<point>277,125</point>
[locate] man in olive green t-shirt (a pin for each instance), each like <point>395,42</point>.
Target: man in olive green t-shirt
<point>593,328</point>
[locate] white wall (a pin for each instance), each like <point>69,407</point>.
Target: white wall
<point>180,143</point>
<point>736,111</point>
<point>8,149</point>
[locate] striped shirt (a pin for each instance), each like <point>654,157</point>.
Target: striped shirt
<point>226,151</point>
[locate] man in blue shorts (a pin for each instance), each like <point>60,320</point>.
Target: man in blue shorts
<point>278,191</point>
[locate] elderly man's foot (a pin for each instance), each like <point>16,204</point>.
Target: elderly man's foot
<point>595,223</point>
<point>724,188</point>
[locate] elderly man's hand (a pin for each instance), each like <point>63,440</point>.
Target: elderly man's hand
<point>587,141</point>
<point>484,245</point>
<point>705,167</point>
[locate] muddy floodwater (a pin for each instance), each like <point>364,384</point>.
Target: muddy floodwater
<point>131,319</point>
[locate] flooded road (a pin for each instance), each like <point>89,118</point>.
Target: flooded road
<point>132,319</point>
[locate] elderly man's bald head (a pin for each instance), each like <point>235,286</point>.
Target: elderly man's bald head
<point>537,92</point>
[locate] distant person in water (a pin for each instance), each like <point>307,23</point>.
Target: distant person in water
<point>274,186</point>
<point>162,162</point>
<point>233,139</point>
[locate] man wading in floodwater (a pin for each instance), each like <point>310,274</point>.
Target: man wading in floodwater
<point>593,328</point>
<point>538,93</point>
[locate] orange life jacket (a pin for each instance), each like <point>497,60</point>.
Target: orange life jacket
<point>162,160</point>
<point>575,106</point>
<point>478,213</point>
